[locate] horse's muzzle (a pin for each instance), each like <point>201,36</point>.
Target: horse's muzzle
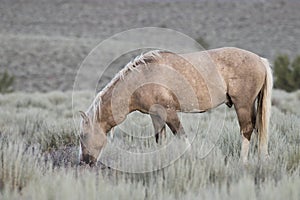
<point>88,159</point>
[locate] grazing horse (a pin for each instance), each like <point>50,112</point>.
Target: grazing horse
<point>163,83</point>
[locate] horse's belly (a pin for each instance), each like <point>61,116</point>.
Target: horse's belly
<point>204,105</point>
<point>192,111</point>
<point>201,98</point>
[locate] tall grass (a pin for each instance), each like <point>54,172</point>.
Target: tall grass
<point>38,155</point>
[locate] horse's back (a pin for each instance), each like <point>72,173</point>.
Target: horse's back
<point>201,80</point>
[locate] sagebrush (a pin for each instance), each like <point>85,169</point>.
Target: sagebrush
<point>6,82</point>
<point>39,151</point>
<point>287,73</point>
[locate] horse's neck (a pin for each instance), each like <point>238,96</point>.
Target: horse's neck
<point>104,112</point>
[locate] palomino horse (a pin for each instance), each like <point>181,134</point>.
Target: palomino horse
<point>162,83</point>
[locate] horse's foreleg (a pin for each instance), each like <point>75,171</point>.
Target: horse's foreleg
<point>175,125</point>
<point>159,127</point>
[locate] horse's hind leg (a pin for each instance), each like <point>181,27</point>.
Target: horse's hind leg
<point>159,127</point>
<point>246,117</point>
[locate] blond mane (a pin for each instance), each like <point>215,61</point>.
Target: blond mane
<point>142,59</point>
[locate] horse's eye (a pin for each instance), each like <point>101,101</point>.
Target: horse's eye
<point>84,136</point>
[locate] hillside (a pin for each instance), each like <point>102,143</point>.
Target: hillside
<point>44,42</point>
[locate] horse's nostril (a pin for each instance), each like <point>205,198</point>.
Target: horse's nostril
<point>85,158</point>
<point>88,159</point>
<point>92,164</point>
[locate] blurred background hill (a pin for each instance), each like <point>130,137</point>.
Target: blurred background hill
<point>44,42</point>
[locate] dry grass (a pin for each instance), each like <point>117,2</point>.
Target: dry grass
<point>38,153</point>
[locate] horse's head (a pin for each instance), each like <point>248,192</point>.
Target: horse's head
<point>92,139</point>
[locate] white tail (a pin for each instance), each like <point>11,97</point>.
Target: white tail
<point>264,111</point>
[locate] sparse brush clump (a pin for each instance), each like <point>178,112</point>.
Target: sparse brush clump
<point>19,164</point>
<point>6,82</point>
<point>200,40</point>
<point>287,73</point>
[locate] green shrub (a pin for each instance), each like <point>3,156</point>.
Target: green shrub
<point>6,82</point>
<point>200,40</point>
<point>296,74</point>
<point>287,73</point>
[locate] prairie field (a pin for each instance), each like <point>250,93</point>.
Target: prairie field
<point>44,43</point>
<point>39,154</point>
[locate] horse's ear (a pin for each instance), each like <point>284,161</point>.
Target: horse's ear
<point>84,116</point>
